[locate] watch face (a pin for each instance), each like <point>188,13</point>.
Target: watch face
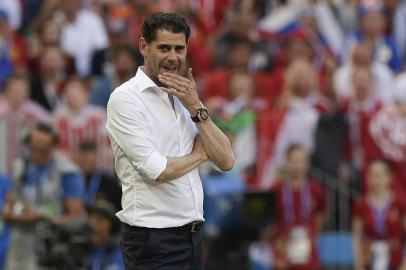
<point>204,114</point>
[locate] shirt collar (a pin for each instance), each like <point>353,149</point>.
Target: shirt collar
<point>145,82</point>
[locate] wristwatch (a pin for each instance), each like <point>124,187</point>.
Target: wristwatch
<point>202,115</point>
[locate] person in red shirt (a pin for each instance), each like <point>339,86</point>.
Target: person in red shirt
<point>359,109</point>
<point>301,207</point>
<point>378,219</point>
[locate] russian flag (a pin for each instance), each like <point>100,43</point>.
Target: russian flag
<point>284,22</point>
<point>281,23</point>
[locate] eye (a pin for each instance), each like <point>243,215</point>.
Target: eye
<point>179,49</point>
<point>164,49</point>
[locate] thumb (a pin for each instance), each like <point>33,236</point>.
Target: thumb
<point>189,75</point>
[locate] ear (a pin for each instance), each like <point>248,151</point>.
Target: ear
<point>143,45</point>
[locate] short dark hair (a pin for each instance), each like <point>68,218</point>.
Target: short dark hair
<point>45,128</point>
<point>164,21</point>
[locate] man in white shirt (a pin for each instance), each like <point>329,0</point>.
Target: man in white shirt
<point>160,133</point>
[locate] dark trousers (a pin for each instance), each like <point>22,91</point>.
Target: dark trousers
<point>161,249</point>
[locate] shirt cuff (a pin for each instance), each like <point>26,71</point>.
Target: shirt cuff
<point>153,166</point>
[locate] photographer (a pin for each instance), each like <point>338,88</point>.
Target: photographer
<point>47,187</point>
<point>106,254</point>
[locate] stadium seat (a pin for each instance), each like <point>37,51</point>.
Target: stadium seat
<point>336,249</point>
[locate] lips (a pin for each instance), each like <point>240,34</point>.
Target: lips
<point>170,68</point>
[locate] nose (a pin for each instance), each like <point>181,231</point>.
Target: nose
<point>172,55</point>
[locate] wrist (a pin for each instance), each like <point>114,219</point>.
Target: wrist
<point>194,110</point>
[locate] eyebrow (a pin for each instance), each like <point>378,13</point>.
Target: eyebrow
<point>164,45</point>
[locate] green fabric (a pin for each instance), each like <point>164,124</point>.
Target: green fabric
<point>238,123</point>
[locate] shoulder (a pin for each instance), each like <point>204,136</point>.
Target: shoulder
<point>126,96</point>
<point>125,90</point>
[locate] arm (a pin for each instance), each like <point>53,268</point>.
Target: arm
<point>73,190</point>
<point>218,146</point>
<point>179,166</point>
<point>73,210</point>
<point>128,127</point>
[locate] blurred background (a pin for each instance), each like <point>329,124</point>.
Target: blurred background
<point>311,93</point>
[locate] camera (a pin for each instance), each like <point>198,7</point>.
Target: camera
<point>64,246</point>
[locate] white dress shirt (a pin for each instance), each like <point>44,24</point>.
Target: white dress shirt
<point>144,129</point>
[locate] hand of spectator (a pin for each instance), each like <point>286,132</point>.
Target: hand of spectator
<point>199,149</point>
<point>183,88</point>
<point>30,213</point>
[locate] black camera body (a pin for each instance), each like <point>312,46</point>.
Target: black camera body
<point>64,246</point>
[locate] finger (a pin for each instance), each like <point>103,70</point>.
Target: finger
<point>170,90</point>
<point>176,76</point>
<point>189,75</point>
<point>170,82</point>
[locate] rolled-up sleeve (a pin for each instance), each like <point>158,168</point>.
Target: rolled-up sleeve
<point>128,127</point>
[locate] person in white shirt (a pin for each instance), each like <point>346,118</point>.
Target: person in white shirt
<point>160,133</point>
<point>362,56</point>
<point>83,33</point>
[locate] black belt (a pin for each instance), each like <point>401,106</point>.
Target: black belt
<point>193,227</point>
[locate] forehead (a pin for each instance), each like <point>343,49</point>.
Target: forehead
<point>170,38</point>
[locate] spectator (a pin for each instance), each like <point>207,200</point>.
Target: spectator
<point>13,51</point>
<point>49,34</point>
<point>124,67</point>
<point>378,222</point>
<point>387,131</point>
<point>99,184</point>
<point>77,121</point>
<point>362,56</point>
<point>47,185</point>
<point>236,117</point>
<point>126,18</point>
<point>106,254</point>
<point>294,120</point>
<point>83,33</point>
<point>372,31</point>
<point>359,110</point>
<point>17,115</point>
<point>239,54</point>
<point>48,82</point>
<point>301,208</point>
<point>241,27</point>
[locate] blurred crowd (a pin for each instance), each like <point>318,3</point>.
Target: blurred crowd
<point>296,85</point>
